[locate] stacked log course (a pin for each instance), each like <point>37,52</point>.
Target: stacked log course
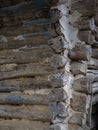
<point>24,65</point>
<point>84,65</point>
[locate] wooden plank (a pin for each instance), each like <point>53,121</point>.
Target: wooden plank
<point>30,55</point>
<point>22,84</point>
<point>28,70</point>
<point>23,125</point>
<point>24,99</point>
<point>35,112</point>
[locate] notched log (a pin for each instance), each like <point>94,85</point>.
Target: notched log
<point>82,85</point>
<point>59,109</point>
<point>58,44</point>
<point>59,80</point>
<point>80,52</point>
<point>78,68</point>
<point>59,126</point>
<point>77,118</point>
<point>95,53</point>
<point>86,36</point>
<point>80,102</point>
<point>57,95</point>
<point>58,61</point>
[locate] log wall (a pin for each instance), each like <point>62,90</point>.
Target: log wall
<point>25,65</point>
<point>48,64</point>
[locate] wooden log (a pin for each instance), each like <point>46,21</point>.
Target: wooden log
<point>22,84</point>
<point>29,55</point>
<point>85,7</point>
<point>78,68</point>
<point>15,14</point>
<point>57,95</point>
<point>34,41</point>
<point>59,79</point>
<point>93,64</point>
<point>28,70</point>
<point>95,44</point>
<point>58,109</point>
<point>53,30</point>
<point>56,15</point>
<point>58,44</point>
<point>77,118</point>
<point>58,126</point>
<point>23,99</point>
<point>80,101</point>
<point>95,53</point>
<point>96,19</point>
<point>84,24</point>
<point>10,3</point>
<point>36,112</point>
<point>55,2</point>
<point>86,36</point>
<point>95,99</point>
<point>95,87</point>
<point>82,85</point>
<point>23,125</point>
<point>18,30</point>
<point>80,52</point>
<point>93,72</point>
<point>58,61</point>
